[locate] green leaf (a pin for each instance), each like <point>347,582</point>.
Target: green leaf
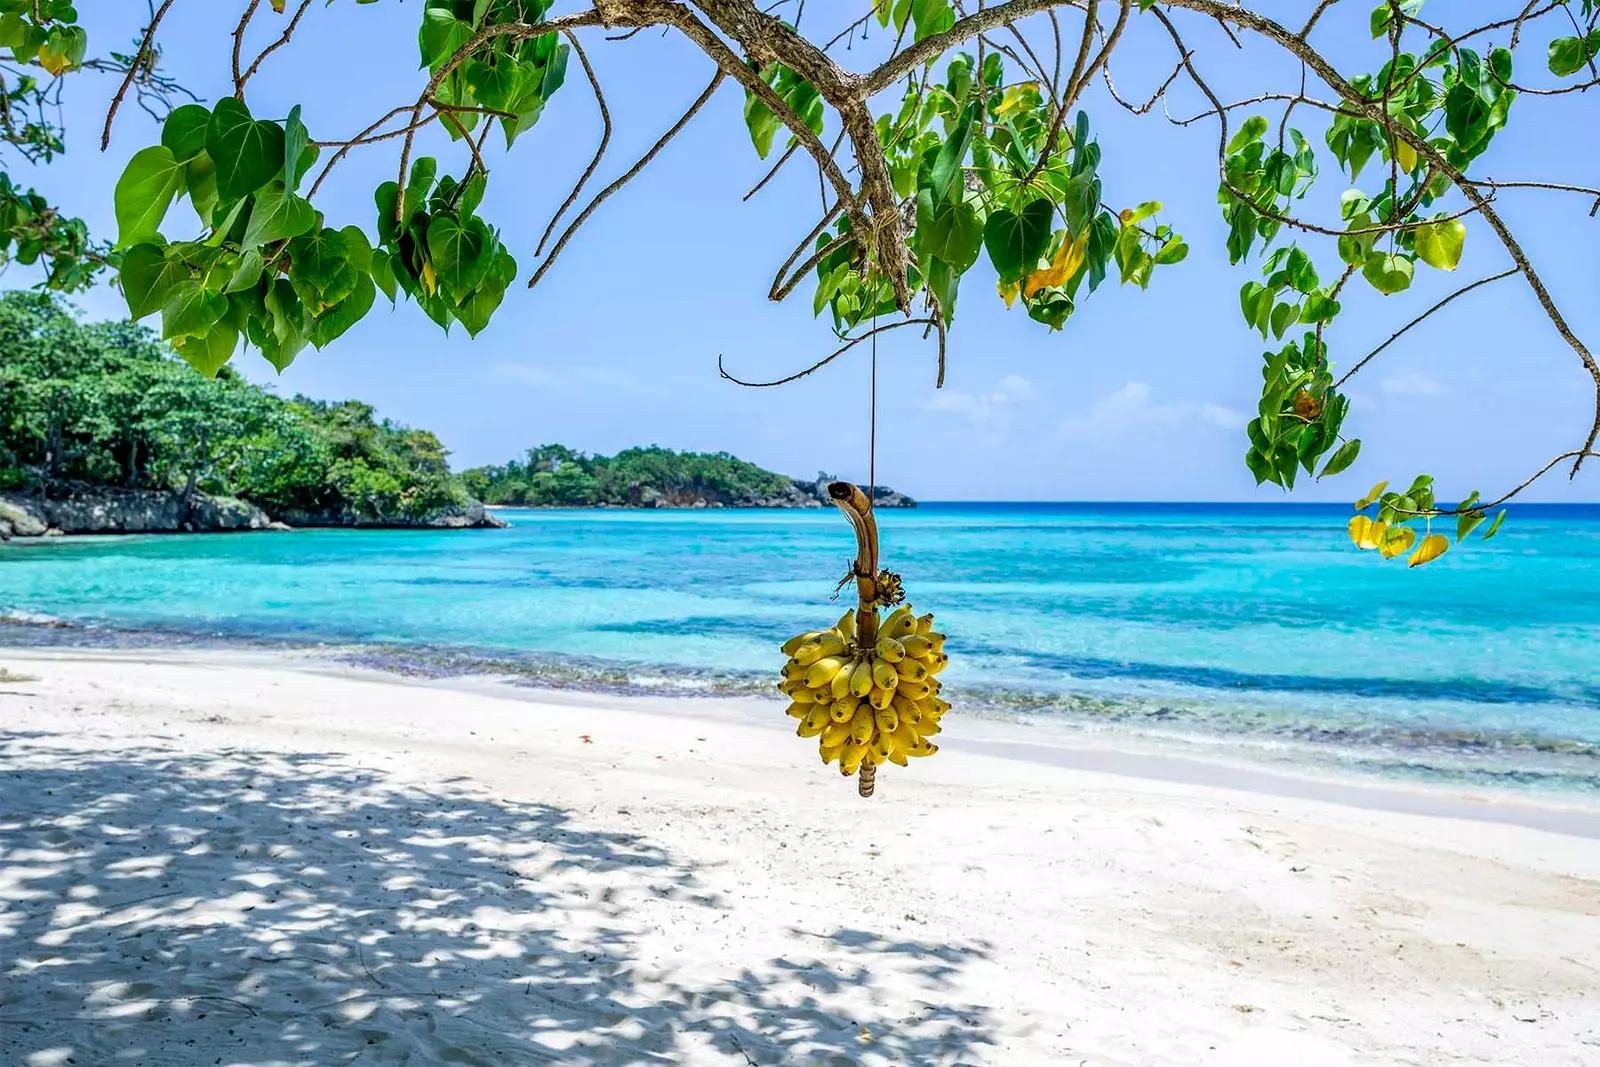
<point>931,17</point>
<point>1388,274</point>
<point>190,310</point>
<point>943,283</point>
<point>1438,244</point>
<point>475,312</point>
<point>441,34</point>
<point>333,322</point>
<point>147,278</point>
<point>278,214</point>
<point>1466,522</point>
<point>248,273</point>
<point>1254,128</point>
<point>1494,527</point>
<point>144,192</point>
<point>495,80</point>
<point>1342,458</point>
<point>1568,55</point>
<point>296,157</point>
<point>952,231</point>
<point>418,184</point>
<point>945,179</point>
<point>461,254</point>
<point>1302,275</point>
<point>184,132</point>
<point>209,352</point>
<point>1016,240</point>
<point>247,153</point>
<point>383,274</point>
<point>200,175</point>
<point>1466,115</point>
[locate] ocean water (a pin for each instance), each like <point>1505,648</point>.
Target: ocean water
<point>1254,628</point>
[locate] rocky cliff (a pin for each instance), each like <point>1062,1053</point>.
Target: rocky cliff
<point>797,494</point>
<point>83,509</point>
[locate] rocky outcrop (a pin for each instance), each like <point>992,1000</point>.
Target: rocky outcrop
<point>100,509</point>
<point>84,509</point>
<point>797,494</point>
<point>468,516</point>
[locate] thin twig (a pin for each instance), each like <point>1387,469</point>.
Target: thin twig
<point>283,39</point>
<point>644,160</point>
<point>772,173</point>
<point>599,154</point>
<point>823,362</point>
<point>238,45</point>
<point>1402,331</point>
<point>139,58</point>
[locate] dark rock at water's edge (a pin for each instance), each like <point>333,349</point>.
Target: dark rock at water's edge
<point>797,494</point>
<point>90,509</point>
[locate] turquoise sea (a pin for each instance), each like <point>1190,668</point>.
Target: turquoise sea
<point>1258,629</point>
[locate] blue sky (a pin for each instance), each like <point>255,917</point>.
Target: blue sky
<point>1143,395</point>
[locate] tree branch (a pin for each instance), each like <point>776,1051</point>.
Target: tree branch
<point>644,160</point>
<point>1402,331</point>
<point>605,139</point>
<point>139,59</point>
<point>824,361</point>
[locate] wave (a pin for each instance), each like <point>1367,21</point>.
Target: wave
<point>1352,738</point>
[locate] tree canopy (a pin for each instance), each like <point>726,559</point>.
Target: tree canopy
<point>557,476</point>
<point>969,142</point>
<point>106,404</point>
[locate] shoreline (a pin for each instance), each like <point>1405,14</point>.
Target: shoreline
<point>1120,753</point>
<point>248,858</point>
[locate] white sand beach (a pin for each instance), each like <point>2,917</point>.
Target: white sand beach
<point>220,858</point>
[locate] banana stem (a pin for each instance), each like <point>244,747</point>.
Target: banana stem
<point>858,509</point>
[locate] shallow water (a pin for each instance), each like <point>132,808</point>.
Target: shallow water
<point>1252,627</point>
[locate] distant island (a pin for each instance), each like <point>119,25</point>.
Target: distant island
<point>104,430</point>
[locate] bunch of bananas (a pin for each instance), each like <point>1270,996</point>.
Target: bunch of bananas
<point>873,704</point>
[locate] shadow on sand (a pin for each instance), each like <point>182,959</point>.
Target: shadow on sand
<point>250,908</point>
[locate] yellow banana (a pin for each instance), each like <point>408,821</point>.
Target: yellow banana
<point>861,726</point>
<point>929,726</point>
<point>842,710</point>
<point>888,720</point>
<point>850,757</point>
<point>798,711</point>
<point>922,748</point>
<point>884,676</point>
<point>813,723</point>
<point>917,646</point>
<point>937,641</point>
<point>925,624</point>
<point>861,679</point>
<point>791,646</point>
<point>830,753</point>
<point>822,671</point>
<point>907,710</point>
<point>835,733</point>
<point>938,663</point>
<point>840,684</point>
<point>823,645</point>
<point>881,698</point>
<point>846,626</point>
<point>878,750</point>
<point>900,624</point>
<point>890,650</point>
<point>912,670</point>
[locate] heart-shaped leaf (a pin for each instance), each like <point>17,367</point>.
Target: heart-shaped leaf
<point>459,254</point>
<point>148,277</point>
<point>185,130</point>
<point>190,310</point>
<point>333,322</point>
<point>298,152</point>
<point>1439,243</point>
<point>247,153</point>
<point>144,192</point>
<point>1388,274</point>
<point>277,214</point>
<point>1433,546</point>
<point>209,352</point>
<point>1016,240</point>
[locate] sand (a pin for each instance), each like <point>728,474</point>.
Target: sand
<point>213,858</point>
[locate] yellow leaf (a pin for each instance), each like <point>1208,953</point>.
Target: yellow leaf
<point>1013,98</point>
<point>1360,528</point>
<point>1396,540</point>
<point>1433,546</point>
<point>277,5</point>
<point>1372,494</point>
<point>1406,156</point>
<point>1126,216</point>
<point>1060,271</point>
<point>430,280</point>
<point>1008,292</point>
<point>54,62</point>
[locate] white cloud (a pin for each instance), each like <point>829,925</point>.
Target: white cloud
<point>1133,405</point>
<point>981,408</point>
<point>1410,383</point>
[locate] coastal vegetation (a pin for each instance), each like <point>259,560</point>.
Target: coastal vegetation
<point>106,404</point>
